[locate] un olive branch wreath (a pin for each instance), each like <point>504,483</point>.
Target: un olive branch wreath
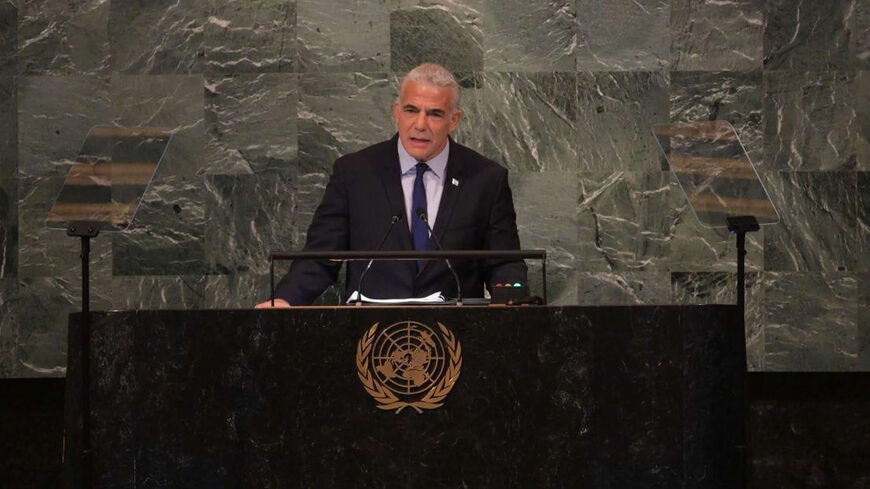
<point>385,398</point>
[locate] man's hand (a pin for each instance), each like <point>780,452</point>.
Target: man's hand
<point>279,304</point>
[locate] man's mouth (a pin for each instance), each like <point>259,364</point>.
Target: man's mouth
<point>419,140</point>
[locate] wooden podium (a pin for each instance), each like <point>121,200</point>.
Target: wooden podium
<point>547,397</point>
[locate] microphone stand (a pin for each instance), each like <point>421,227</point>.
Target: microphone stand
<point>423,217</point>
<point>85,230</point>
<point>393,221</point>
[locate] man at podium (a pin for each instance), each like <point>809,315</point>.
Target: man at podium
<point>386,195</point>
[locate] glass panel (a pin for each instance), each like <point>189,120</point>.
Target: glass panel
<point>109,177</point>
<point>714,171</point>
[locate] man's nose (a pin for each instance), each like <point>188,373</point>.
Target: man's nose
<point>420,121</point>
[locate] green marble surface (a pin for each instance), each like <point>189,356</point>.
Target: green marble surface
<point>818,230</point>
<point>807,35</point>
<point>251,36</point>
<point>8,127</point>
<point>424,33</point>
<point>8,38</point>
<point>263,95</point>
<point>714,35</point>
<point>810,123</point>
<point>8,228</point>
<point>251,123</point>
<point>623,35</point>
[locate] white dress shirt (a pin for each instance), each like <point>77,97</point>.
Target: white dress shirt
<point>433,181</point>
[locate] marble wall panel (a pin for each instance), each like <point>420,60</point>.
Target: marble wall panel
<point>863,198</point>
<point>168,230</point>
<point>338,113</point>
<point>863,288</point>
<point>343,36</point>
<point>8,127</point>
<point>863,361</point>
<point>167,235</point>
<point>736,97</point>
<point>8,38</point>
<point>9,327</point>
<point>528,35</point>
<point>8,227</point>
<point>42,305</point>
<point>625,223</point>
<point>251,123</point>
<point>251,36</point>
<point>818,225</point>
<point>623,35</point>
<point>159,292</point>
<point>695,247</point>
<point>526,121</point>
<point>157,36</point>
<point>711,35</point>
<point>808,121</point>
<point>55,114</point>
<point>623,288</point>
<point>721,288</point>
<point>860,103</point>
<point>446,34</point>
<point>861,35</point>
<point>239,290</point>
<point>804,35</point>
<point>63,37</point>
<point>810,321</point>
<point>44,252</point>
<point>247,216</point>
<point>469,132</point>
<point>173,102</point>
<point>546,219</point>
<point>615,115</point>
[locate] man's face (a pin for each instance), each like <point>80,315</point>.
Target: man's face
<point>425,116</point>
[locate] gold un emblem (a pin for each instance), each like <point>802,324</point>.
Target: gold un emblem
<point>408,364</point>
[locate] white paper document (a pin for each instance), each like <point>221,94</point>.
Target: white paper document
<point>435,298</point>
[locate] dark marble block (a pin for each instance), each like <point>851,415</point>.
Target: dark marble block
<point>8,228</point>
<point>809,430</point>
<point>547,397</point>
<point>8,127</point>
<point>806,35</point>
<point>8,38</point>
<point>163,36</point>
<point>432,34</point>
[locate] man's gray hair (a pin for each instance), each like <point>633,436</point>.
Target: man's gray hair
<point>433,74</point>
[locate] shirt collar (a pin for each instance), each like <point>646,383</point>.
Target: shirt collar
<point>438,164</point>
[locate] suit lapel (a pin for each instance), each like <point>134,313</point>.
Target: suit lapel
<point>452,185</point>
<point>392,180</point>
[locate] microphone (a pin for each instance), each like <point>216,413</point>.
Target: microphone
<point>421,213</point>
<point>393,221</point>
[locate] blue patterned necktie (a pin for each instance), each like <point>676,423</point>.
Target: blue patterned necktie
<point>418,228</point>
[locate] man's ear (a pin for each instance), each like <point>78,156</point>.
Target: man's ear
<point>396,111</point>
<point>455,118</point>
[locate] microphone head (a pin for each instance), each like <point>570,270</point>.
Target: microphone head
<point>421,213</point>
<point>396,218</point>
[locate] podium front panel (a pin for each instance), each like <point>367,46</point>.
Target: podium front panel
<point>545,397</point>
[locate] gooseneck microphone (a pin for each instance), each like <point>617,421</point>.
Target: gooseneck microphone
<point>393,221</point>
<point>421,213</point>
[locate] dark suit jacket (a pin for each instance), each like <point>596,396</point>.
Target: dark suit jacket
<point>363,194</point>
